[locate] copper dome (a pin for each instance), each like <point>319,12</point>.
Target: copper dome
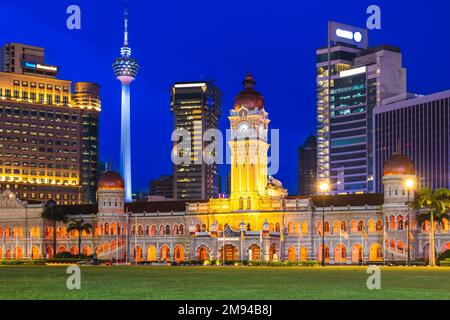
<point>111,180</point>
<point>398,164</point>
<point>249,97</point>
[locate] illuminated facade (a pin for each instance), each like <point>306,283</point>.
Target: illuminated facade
<point>360,80</point>
<point>125,69</point>
<point>258,222</point>
<point>48,140</point>
<point>196,108</point>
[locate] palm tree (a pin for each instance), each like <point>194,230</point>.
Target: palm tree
<point>436,202</point>
<point>53,214</point>
<point>79,226</point>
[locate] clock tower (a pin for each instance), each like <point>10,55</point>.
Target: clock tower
<point>249,146</point>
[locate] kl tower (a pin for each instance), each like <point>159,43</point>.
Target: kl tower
<point>125,69</point>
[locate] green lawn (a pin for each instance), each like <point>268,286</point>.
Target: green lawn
<point>136,282</point>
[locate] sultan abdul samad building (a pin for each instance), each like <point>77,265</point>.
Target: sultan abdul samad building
<point>257,222</point>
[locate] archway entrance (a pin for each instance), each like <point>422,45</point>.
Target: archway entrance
<point>273,254</point>
<point>375,252</point>
<point>202,253</point>
<point>231,253</point>
<point>303,254</point>
<point>357,253</point>
<point>164,254</point>
<point>151,253</point>
<point>254,253</point>
<point>340,254</point>
<point>137,253</point>
<point>291,254</point>
<point>178,254</point>
<point>35,253</point>
<point>18,254</point>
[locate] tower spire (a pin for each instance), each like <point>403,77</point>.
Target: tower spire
<point>125,35</point>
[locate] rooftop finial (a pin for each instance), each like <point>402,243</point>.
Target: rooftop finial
<point>125,39</point>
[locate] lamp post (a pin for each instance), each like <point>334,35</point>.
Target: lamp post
<point>410,185</point>
<point>323,187</point>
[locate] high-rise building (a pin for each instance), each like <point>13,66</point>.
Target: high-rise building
<point>307,166</point>
<point>163,186</point>
<point>420,128</point>
<point>86,96</point>
<point>48,141</point>
<point>196,107</point>
<point>359,80</point>
<point>125,69</point>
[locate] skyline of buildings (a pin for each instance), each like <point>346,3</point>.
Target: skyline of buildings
<point>362,79</point>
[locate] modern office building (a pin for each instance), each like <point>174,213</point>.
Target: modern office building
<point>307,166</point>
<point>359,80</point>
<point>196,107</point>
<point>420,128</point>
<point>125,69</point>
<point>163,187</point>
<point>48,140</point>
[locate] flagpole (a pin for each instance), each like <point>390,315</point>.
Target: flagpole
<point>340,243</point>
<point>135,239</point>
<point>363,246</point>
<point>117,245</point>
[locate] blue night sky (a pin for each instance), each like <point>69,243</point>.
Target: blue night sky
<point>193,40</point>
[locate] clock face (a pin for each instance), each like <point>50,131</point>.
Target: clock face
<point>243,128</point>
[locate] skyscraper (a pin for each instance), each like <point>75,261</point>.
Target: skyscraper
<point>125,69</point>
<point>48,136</point>
<point>417,126</point>
<point>307,166</point>
<point>360,79</point>
<point>196,107</point>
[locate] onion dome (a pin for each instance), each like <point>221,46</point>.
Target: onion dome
<point>398,164</point>
<point>111,180</point>
<point>249,97</point>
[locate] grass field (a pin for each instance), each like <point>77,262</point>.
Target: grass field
<point>136,282</point>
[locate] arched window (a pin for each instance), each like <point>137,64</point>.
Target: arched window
<point>400,222</point>
<point>327,227</point>
<point>175,230</point>
<point>181,229</point>
<point>161,230</point>
<point>113,229</point>
<point>153,232</point>
<point>353,226</point>
<point>343,226</point>
<point>277,227</point>
<point>203,227</point>
<point>319,227</point>
<point>290,227</point>
<point>304,228</point>
<point>392,223</point>
<point>106,229</point>
<point>360,225</point>
<point>197,228</point>
<point>140,230</point>
<point>336,226</point>
<point>379,226</point>
<point>371,225</point>
<point>133,232</point>
<point>167,230</point>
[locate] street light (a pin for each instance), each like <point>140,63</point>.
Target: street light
<point>409,183</point>
<point>323,187</point>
